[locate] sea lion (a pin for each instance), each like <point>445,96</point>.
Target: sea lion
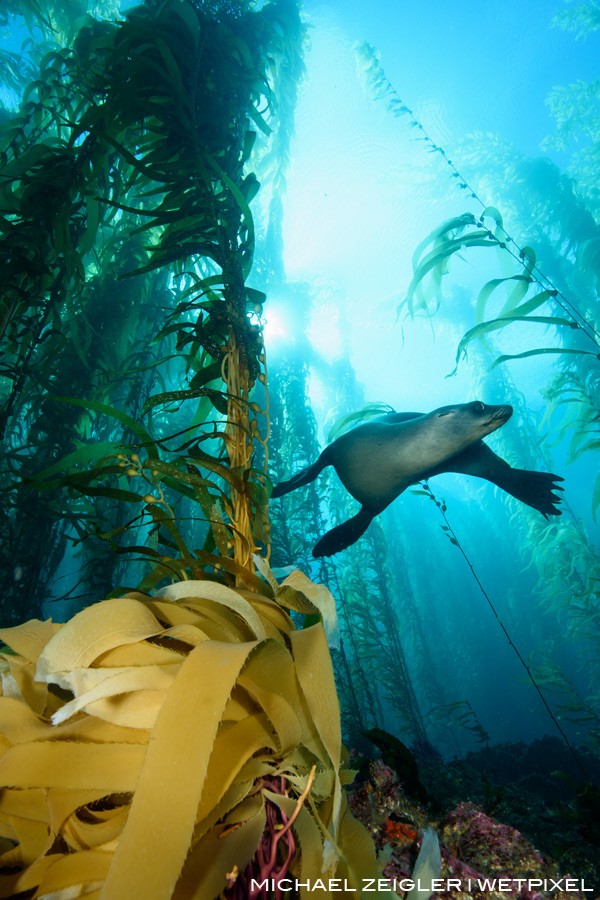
<point>378,460</point>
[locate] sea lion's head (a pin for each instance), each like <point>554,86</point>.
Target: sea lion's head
<point>472,421</point>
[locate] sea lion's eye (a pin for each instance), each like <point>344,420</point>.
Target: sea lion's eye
<point>478,406</point>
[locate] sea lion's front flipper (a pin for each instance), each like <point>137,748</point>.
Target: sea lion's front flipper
<point>345,534</point>
<point>533,488</point>
<point>305,476</point>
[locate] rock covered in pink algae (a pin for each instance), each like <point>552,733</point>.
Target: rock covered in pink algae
<point>488,845</point>
<point>476,849</point>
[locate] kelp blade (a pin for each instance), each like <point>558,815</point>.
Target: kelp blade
<point>172,715</point>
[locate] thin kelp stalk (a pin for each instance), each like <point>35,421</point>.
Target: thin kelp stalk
<point>407,583</point>
<point>360,681</point>
<point>236,377</point>
<point>382,89</point>
<point>240,449</point>
<point>452,537</point>
<point>356,722</point>
<point>57,295</point>
<point>373,600</point>
<point>402,683</point>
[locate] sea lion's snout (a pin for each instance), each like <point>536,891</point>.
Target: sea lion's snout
<point>497,416</point>
<point>501,413</point>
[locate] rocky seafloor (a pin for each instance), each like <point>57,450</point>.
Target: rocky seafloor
<point>513,821</point>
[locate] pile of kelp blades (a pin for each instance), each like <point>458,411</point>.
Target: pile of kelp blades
<point>140,741</point>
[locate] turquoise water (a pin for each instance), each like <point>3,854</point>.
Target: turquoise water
<point>363,191</point>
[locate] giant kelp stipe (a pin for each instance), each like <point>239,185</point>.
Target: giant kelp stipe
<point>190,189</point>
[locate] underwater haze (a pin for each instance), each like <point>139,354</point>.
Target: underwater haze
<point>212,274</point>
<point>364,189</point>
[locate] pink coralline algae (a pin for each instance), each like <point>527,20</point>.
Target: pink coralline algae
<point>477,851</point>
<point>478,840</point>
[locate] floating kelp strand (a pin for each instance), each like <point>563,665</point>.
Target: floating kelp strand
<point>382,89</point>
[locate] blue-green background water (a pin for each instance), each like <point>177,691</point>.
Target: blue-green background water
<point>362,192</point>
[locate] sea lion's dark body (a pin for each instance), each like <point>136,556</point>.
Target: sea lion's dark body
<point>378,460</point>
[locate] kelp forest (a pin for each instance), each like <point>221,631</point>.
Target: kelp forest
<point>192,704</point>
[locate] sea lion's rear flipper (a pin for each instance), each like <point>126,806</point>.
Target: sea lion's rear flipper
<point>305,476</point>
<point>533,488</point>
<point>345,534</point>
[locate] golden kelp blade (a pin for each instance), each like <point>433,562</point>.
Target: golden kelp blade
<point>139,743</point>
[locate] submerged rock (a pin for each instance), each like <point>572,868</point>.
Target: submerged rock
<point>482,858</point>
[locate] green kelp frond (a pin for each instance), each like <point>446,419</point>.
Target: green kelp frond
<point>141,742</point>
<point>502,301</point>
<point>369,411</point>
